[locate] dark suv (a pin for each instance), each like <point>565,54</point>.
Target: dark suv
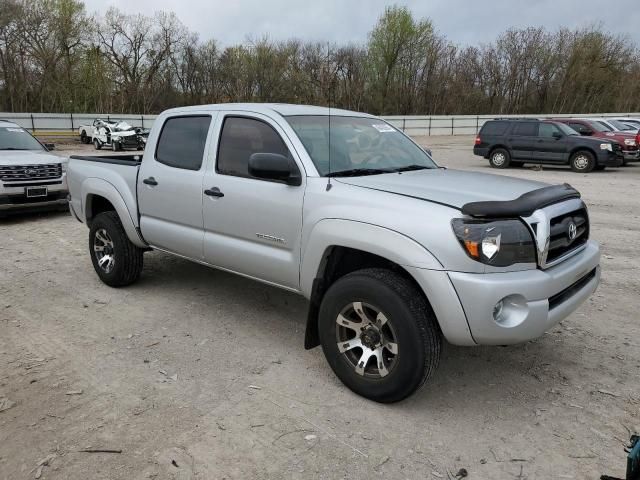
<point>515,142</point>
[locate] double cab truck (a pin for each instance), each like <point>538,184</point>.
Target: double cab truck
<point>31,177</point>
<point>395,254</point>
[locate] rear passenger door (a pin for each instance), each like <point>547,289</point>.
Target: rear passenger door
<point>170,186</point>
<point>252,226</point>
<point>522,140</point>
<point>551,144</point>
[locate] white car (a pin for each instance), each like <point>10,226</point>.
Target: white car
<point>30,176</point>
<point>117,135</point>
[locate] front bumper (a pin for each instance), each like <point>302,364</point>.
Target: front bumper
<point>610,159</point>
<point>631,155</point>
<point>13,198</point>
<point>534,300</point>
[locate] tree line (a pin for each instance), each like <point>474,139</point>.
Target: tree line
<point>55,57</point>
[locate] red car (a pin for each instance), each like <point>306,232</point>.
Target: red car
<point>628,141</point>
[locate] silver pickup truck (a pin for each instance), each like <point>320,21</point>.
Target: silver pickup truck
<point>394,253</point>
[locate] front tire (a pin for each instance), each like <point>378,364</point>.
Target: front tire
<point>499,158</point>
<point>97,144</point>
<point>379,334</point>
<point>582,161</point>
<point>116,260</point>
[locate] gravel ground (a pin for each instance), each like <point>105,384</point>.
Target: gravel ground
<point>194,373</point>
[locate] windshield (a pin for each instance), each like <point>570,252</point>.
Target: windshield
<point>566,129</point>
<point>359,145</point>
<point>15,138</point>
<point>621,125</point>
<point>600,126</point>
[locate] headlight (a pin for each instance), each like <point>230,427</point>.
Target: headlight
<point>495,242</point>
<point>606,146</point>
<point>630,141</point>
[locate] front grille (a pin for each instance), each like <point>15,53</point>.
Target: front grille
<point>560,227</point>
<point>25,173</point>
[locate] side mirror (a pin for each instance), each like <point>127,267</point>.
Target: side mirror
<point>50,146</point>
<point>557,135</point>
<point>273,166</point>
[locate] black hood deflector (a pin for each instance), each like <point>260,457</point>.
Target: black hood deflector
<point>524,205</point>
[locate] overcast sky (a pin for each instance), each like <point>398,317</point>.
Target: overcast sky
<point>343,21</point>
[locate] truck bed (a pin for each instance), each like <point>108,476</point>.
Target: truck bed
<point>114,177</point>
<point>132,160</point>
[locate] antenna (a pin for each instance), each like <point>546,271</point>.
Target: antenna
<point>330,82</point>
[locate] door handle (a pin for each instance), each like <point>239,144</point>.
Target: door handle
<point>214,192</point>
<point>150,181</point>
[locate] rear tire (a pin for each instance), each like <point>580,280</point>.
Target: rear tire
<point>388,320</point>
<point>582,161</point>
<point>499,158</point>
<point>116,260</point>
<point>83,137</point>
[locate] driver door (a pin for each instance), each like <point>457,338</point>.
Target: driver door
<point>252,226</point>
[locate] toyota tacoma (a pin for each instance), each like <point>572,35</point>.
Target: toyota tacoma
<point>394,253</point>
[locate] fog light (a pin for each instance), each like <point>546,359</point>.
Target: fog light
<point>497,310</point>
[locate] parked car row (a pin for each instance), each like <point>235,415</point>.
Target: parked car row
<point>585,144</point>
<point>117,135</point>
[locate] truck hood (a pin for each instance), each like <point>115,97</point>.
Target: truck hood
<point>28,157</point>
<point>453,188</point>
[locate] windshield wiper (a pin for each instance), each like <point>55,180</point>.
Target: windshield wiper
<point>357,172</point>
<point>411,167</point>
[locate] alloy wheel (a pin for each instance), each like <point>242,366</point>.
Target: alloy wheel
<point>366,338</point>
<point>103,250</point>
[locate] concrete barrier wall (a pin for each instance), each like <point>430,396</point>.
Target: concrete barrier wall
<point>414,125</point>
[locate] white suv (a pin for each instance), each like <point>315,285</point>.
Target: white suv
<point>30,176</point>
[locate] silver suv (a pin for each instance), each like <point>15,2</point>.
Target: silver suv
<point>30,176</point>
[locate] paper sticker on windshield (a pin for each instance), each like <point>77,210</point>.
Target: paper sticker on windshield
<point>17,130</point>
<point>383,127</point>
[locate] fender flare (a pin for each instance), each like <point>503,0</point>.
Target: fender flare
<point>100,187</point>
<point>381,241</point>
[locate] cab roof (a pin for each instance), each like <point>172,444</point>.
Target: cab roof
<point>284,109</point>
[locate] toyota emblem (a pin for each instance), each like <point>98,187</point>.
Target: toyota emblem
<point>573,231</point>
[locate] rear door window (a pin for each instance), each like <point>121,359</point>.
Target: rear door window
<point>182,140</point>
<point>547,130</point>
<point>526,129</point>
<point>494,128</point>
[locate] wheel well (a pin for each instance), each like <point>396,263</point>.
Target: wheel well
<point>583,149</point>
<point>494,148</point>
<point>337,262</point>
<point>97,205</point>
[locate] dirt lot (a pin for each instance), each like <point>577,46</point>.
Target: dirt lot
<point>195,374</point>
